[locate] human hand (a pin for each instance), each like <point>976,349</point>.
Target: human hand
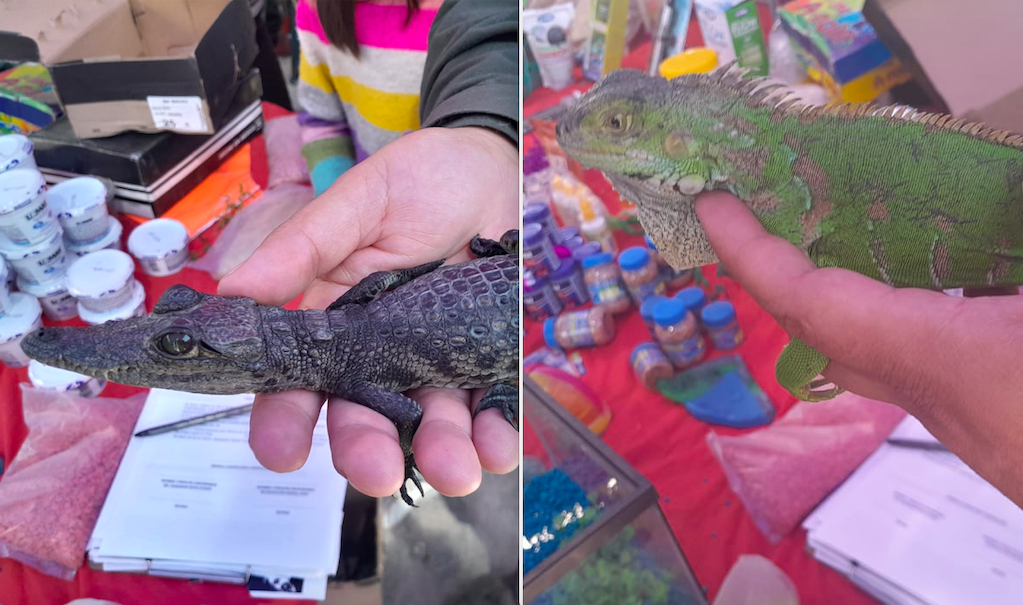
<point>952,362</point>
<point>419,199</point>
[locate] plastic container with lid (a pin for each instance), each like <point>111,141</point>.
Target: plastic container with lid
<point>110,240</point>
<point>595,229</point>
<point>539,301</point>
<point>102,280</point>
<point>160,245</point>
<point>24,316</point>
<point>678,333</point>
<point>577,329</point>
<point>135,307</point>
<point>25,218</point>
<point>568,233</point>
<point>672,278</point>
<point>694,299</point>
<point>697,60</point>
<point>39,262</point>
<point>16,151</point>
<point>48,377</point>
<point>58,304</point>
<point>640,273</point>
<point>650,364</point>
<point>587,249</point>
<point>646,310</point>
<point>721,325</point>
<point>537,250</point>
<point>604,281</point>
<point>541,214</point>
<point>80,204</point>
<point>569,285</point>
<point>5,287</point>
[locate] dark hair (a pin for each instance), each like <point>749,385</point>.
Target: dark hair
<point>338,20</point>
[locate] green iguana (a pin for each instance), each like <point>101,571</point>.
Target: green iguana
<point>909,198</point>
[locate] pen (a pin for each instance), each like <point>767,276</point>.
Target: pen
<point>180,424</point>
<point>918,445</point>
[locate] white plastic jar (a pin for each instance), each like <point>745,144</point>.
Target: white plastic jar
<point>24,316</point>
<point>58,304</point>
<point>5,288</point>
<point>16,151</point>
<point>110,240</point>
<point>47,377</point>
<point>160,245</point>
<point>135,307</point>
<point>39,262</point>
<point>25,218</point>
<point>102,280</point>
<point>9,275</point>
<point>80,204</point>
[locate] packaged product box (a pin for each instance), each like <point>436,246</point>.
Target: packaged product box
<point>732,29</point>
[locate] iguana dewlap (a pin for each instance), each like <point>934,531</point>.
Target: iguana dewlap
<point>444,326</point>
<point>908,198</point>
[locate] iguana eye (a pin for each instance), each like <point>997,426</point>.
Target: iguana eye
<point>619,122</point>
<point>176,344</point>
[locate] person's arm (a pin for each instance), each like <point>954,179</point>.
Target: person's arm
<point>326,139</point>
<point>471,76</point>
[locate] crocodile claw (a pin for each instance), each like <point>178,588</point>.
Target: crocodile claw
<point>410,473</point>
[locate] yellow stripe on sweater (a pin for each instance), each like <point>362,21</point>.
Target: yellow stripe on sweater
<point>385,110</point>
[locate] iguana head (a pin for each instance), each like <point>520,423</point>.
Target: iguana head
<point>192,342</point>
<point>660,143</point>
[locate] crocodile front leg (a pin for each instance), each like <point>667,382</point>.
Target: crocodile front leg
<point>375,283</point>
<point>406,415</point>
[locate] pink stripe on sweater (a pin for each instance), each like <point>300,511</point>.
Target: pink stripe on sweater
<point>375,25</point>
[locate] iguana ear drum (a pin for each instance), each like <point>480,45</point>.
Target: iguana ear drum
<point>178,298</point>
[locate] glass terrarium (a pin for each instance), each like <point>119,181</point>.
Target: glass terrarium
<point>593,531</point>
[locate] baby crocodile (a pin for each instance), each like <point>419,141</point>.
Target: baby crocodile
<point>442,326</point>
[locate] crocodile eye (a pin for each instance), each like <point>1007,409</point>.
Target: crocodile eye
<point>176,343</point>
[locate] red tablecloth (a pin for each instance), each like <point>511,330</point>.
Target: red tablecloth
<point>22,585</point>
<point>665,444</point>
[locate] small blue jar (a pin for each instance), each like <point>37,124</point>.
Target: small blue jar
<point>693,299</point>
<point>721,325</point>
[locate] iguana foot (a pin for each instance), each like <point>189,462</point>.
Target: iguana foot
<point>406,415</point>
<point>798,370</point>
<point>375,283</point>
<point>505,397</point>
<point>484,248</point>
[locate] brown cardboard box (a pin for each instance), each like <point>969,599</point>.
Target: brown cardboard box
<point>144,65</point>
<point>964,55</point>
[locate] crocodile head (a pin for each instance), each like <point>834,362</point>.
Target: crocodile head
<point>192,342</point>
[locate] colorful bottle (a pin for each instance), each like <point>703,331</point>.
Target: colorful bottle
<point>539,301</point>
<point>569,285</point>
<point>650,364</point>
<point>678,334</point>
<point>538,254</point>
<point>640,274</point>
<point>604,281</point>
<point>721,325</point>
<point>577,329</point>
<point>541,214</point>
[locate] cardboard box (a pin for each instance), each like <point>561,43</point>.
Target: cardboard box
<point>841,50</point>
<point>732,29</point>
<point>143,65</point>
<point>964,57</point>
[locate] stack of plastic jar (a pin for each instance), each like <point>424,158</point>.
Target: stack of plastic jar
<point>104,284</point>
<point>81,207</point>
<point>539,301</point>
<point>538,254</point>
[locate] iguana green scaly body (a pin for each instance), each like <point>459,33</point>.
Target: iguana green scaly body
<point>908,198</point>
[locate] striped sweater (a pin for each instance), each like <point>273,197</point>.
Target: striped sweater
<point>351,107</point>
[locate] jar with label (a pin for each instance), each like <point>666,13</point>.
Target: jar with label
<point>539,301</point>
<point>5,287</point>
<point>57,302</point>
<point>569,284</point>
<point>24,316</point>
<point>693,298</point>
<point>160,245</point>
<point>16,151</point>
<point>577,329</point>
<point>135,307</point>
<point>537,250</point>
<point>646,310</point>
<point>25,218</point>
<point>39,262</point>
<point>672,279</point>
<point>640,274</point>
<point>678,334</point>
<point>650,364</point>
<point>604,281</point>
<point>721,325</point>
<point>110,240</point>
<point>540,214</point>
<point>102,280</point>
<point>55,379</point>
<point>80,204</point>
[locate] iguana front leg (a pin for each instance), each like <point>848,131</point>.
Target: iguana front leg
<point>797,370</point>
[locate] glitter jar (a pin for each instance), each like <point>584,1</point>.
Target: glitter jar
<point>672,278</point>
<point>160,245</point>
<point>539,300</point>
<point>650,364</point>
<point>721,325</point>
<point>25,218</point>
<point>576,329</point>
<point>537,250</point>
<point>24,316</point>
<point>639,272</point>
<point>569,285</point>
<point>678,333</point>
<point>55,379</point>
<point>57,302</point>
<point>604,281</point>
<point>693,298</point>
<point>540,214</point>
<point>646,310</point>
